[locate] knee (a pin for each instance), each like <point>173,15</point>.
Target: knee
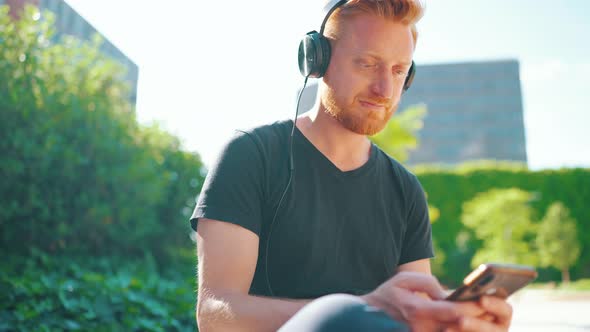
<point>340,302</point>
<point>342,312</point>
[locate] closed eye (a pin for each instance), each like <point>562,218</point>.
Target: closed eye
<point>399,72</point>
<point>365,64</point>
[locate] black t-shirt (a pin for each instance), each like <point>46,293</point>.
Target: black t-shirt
<point>335,232</point>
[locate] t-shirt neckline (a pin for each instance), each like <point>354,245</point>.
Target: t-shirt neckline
<point>326,163</point>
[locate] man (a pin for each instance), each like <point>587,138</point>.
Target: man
<point>306,225</point>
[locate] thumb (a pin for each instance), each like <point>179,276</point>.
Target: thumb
<point>421,282</point>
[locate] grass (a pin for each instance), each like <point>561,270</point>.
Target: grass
<point>578,285</point>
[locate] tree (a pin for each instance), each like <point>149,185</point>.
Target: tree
<point>501,219</point>
<point>557,240</point>
<point>399,136</point>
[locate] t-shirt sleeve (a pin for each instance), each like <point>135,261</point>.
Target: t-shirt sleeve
<point>232,191</point>
<point>417,242</point>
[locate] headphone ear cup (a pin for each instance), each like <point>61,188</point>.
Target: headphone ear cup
<point>307,57</point>
<point>410,76</point>
<point>314,55</point>
<point>326,52</point>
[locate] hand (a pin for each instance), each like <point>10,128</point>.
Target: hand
<point>497,317</point>
<point>399,297</point>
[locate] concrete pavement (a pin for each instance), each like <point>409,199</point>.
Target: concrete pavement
<point>550,310</point>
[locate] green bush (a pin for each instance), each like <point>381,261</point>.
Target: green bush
<point>45,293</point>
<point>79,174</point>
<point>83,181</point>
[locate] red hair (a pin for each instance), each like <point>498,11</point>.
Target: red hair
<point>408,12</point>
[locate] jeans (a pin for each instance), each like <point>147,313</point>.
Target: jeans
<point>341,312</point>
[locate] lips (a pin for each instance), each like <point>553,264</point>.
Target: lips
<point>371,104</point>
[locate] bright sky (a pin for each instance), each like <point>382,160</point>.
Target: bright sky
<point>207,67</point>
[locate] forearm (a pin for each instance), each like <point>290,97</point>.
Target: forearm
<point>229,311</point>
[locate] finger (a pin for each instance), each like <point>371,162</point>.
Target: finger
<point>470,308</point>
<point>498,307</point>
<point>440,311</point>
<point>472,324</point>
<point>453,328</point>
<point>421,282</point>
<point>414,308</point>
<point>488,317</point>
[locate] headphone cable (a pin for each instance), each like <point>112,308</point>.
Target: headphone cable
<point>291,169</point>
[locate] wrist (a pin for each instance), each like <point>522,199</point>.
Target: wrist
<point>385,304</point>
<point>373,300</point>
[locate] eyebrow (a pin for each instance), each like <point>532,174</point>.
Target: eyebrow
<point>376,57</point>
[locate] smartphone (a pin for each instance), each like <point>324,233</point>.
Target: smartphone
<point>494,279</point>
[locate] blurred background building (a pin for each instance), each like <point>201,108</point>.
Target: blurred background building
<point>475,112</point>
<point>69,22</point>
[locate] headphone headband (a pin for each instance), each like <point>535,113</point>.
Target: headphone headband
<point>328,10</point>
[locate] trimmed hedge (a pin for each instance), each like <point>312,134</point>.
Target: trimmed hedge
<point>448,189</point>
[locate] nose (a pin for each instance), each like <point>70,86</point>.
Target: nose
<point>383,84</point>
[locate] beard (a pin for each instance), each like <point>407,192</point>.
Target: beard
<point>361,121</point>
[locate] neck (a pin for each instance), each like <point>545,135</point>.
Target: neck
<point>344,148</point>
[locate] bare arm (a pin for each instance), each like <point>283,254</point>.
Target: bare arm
<point>227,256</point>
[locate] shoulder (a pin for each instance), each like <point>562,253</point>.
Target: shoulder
<point>406,178</point>
<point>265,138</point>
<point>400,181</point>
<point>275,129</point>
<point>406,186</point>
<point>257,137</point>
<point>263,134</point>
<point>255,148</point>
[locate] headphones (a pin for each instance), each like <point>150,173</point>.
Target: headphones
<point>315,51</point>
